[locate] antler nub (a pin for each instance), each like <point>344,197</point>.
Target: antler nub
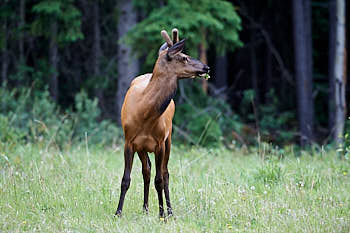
<point>166,38</point>
<point>175,35</point>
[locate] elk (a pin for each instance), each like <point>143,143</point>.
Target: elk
<point>147,114</point>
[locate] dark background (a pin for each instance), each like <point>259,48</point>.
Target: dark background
<point>76,50</point>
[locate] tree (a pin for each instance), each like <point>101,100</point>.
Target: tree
<point>97,50</point>
<point>6,16</point>
<point>59,21</point>
<point>4,52</point>
<point>340,74</point>
<point>303,68</point>
<point>40,46</point>
<point>21,24</point>
<point>127,65</point>
<point>220,75</point>
<point>202,22</point>
<point>331,59</point>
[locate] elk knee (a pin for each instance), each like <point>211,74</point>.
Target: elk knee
<point>125,183</point>
<point>158,182</point>
<point>166,175</point>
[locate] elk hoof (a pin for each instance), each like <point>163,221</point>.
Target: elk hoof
<point>118,213</point>
<point>145,209</point>
<point>161,216</point>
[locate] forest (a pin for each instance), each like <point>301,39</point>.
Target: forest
<point>273,70</point>
<point>263,145</point>
<point>268,84</point>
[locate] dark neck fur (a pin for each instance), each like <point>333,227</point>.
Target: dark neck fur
<point>160,91</point>
<point>165,100</point>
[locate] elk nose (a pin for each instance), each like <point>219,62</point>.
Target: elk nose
<point>206,68</point>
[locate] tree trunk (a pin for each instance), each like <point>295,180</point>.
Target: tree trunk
<point>308,36</point>
<point>254,70</point>
<point>4,55</point>
<point>21,26</point>
<point>268,74</point>
<point>203,58</point>
<point>220,76</point>
<point>303,71</point>
<point>53,56</point>
<point>340,74</point>
<point>97,51</point>
<point>331,60</point>
<point>128,67</point>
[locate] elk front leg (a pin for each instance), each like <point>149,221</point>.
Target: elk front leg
<point>128,159</point>
<point>166,175</point>
<point>146,173</point>
<point>158,180</point>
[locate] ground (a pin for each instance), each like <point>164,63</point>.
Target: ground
<point>212,190</point>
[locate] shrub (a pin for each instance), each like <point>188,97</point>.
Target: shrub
<point>31,116</point>
<point>275,125</point>
<point>204,120</point>
<point>8,133</point>
<point>86,121</point>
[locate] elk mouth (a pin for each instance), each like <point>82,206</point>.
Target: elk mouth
<point>203,74</point>
<point>200,73</point>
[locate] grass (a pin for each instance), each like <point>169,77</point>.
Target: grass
<point>211,190</point>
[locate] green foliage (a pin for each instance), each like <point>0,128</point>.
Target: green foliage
<point>9,134</point>
<point>62,12</point>
<point>275,122</point>
<point>247,101</point>
<point>213,23</point>
<point>345,149</point>
<point>204,120</point>
<point>33,117</point>
<point>147,6</point>
<point>275,126</point>
<point>86,118</point>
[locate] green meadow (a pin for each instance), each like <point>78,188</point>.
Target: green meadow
<point>261,190</point>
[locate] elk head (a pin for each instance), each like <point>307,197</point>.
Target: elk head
<point>174,62</point>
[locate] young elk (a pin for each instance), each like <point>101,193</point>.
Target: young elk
<point>147,115</point>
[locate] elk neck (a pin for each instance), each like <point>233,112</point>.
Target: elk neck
<point>159,92</point>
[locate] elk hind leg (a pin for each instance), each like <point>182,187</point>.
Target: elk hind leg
<point>146,173</point>
<point>125,184</point>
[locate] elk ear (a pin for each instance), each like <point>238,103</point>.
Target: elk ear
<point>176,48</point>
<point>163,47</point>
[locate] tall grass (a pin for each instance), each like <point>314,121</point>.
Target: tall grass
<point>47,190</point>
